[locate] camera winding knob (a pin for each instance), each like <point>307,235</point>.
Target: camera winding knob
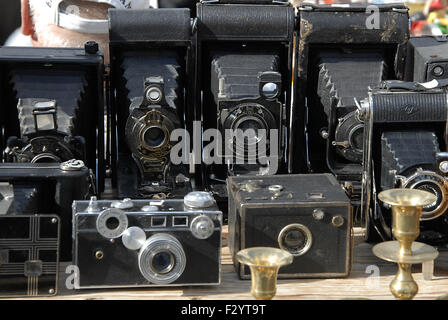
<point>202,227</point>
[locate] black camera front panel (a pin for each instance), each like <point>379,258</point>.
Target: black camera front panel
<point>29,255</point>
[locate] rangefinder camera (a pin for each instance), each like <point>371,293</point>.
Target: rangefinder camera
<point>142,243</point>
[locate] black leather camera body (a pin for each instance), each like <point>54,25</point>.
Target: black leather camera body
<point>244,74</point>
<point>427,58</point>
<point>40,188</point>
<point>152,75</point>
<point>342,50</point>
<point>141,243</point>
<point>308,215</point>
<point>405,139</point>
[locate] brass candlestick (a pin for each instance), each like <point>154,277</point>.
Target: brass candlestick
<point>264,264</point>
<point>407,206</point>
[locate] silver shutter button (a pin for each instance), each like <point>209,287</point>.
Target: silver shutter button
<point>133,238</point>
<point>199,199</point>
<point>202,227</point>
<point>123,204</point>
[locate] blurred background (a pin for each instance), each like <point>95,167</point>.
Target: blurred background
<point>429,17</point>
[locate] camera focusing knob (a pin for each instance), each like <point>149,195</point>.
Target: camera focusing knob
<point>93,205</point>
<point>133,238</point>
<point>202,227</point>
<point>150,208</point>
<point>198,199</point>
<point>111,223</point>
<point>123,204</point>
<point>72,165</point>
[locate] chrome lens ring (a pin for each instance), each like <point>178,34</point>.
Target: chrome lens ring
<point>162,246</point>
<point>103,223</point>
<point>434,183</point>
<point>298,234</point>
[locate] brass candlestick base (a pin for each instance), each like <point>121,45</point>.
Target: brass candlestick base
<point>264,264</point>
<point>404,287</point>
<point>407,206</point>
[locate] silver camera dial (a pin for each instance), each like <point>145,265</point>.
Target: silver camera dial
<point>162,259</point>
<point>111,223</point>
<point>202,227</point>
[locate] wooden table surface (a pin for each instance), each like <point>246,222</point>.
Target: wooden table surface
<point>360,284</point>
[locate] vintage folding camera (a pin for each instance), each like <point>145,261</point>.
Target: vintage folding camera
<point>52,106</point>
<point>308,215</point>
<point>151,81</point>
<point>427,58</point>
<point>339,56</point>
<point>41,188</point>
<point>244,91</point>
<point>405,143</point>
<point>29,251</point>
<point>141,243</point>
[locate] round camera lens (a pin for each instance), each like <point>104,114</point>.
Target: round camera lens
<point>163,262</point>
<point>434,189</point>
<point>154,137</point>
<point>438,71</point>
<point>270,90</point>
<point>250,131</point>
<point>295,240</point>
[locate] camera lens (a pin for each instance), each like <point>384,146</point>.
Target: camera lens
<point>162,259</point>
<point>112,223</point>
<point>154,137</point>
<point>162,262</point>
<point>356,138</point>
<point>435,190</point>
<point>249,127</point>
<point>296,239</point>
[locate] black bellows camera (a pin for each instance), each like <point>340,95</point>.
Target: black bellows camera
<point>52,104</point>
<point>336,65</point>
<point>52,134</point>
<point>150,60</point>
<point>404,142</point>
<point>244,88</point>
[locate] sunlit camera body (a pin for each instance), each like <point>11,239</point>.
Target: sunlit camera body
<point>140,243</point>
